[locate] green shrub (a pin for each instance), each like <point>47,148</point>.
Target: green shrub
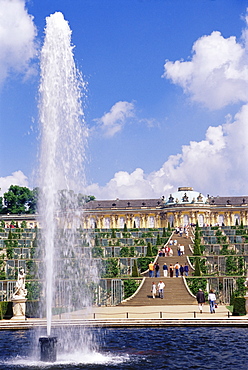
<point>111,266</point>
<point>197,271</point>
<point>143,263</point>
<point>197,247</point>
<point>240,289</point>
<point>131,252</point>
<point>195,284</point>
<point>149,252</point>
<point>124,252</point>
<point>130,287</point>
<point>154,250</point>
<point>97,252</point>
<point>158,241</point>
<point>5,309</point>
<point>34,289</point>
<point>135,272</point>
<point>239,306</point>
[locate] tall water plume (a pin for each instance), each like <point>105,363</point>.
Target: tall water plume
<point>63,138</point>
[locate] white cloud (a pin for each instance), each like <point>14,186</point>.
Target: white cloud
<point>114,121</point>
<point>215,164</point>
<point>16,178</point>
<point>17,33</point>
<point>217,73</point>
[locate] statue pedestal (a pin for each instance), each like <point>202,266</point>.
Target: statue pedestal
<point>19,308</point>
<point>246,302</point>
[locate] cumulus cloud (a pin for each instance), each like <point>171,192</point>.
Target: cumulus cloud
<point>17,34</point>
<point>114,121</point>
<point>217,73</point>
<point>215,164</point>
<point>16,178</point>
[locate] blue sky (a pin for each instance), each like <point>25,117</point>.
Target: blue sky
<point>166,101</point>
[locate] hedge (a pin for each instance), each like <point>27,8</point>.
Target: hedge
<point>239,306</point>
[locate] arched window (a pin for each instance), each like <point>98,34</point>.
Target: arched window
<point>137,221</point>
<point>171,220</point>
<point>201,220</point>
<point>236,219</point>
<point>151,221</point>
<point>121,222</point>
<point>106,223</point>
<point>221,220</point>
<point>185,220</point>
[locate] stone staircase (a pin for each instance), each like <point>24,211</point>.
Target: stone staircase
<point>175,291</point>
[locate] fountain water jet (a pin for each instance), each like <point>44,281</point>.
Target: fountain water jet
<point>63,139</point>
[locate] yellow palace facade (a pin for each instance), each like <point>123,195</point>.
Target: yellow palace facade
<point>181,208</point>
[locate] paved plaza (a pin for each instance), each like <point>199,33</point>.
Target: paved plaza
<point>145,316</point>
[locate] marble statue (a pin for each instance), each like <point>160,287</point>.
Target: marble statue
<point>20,290</point>
<point>19,297</point>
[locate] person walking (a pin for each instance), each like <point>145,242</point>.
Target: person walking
<point>200,297</point>
<point>161,286</point>
<point>186,269</point>
<point>154,290</point>
<point>212,301</point>
<point>179,250</point>
<point>165,269</point>
<point>171,270</point>
<point>181,269</point>
<point>157,273</point>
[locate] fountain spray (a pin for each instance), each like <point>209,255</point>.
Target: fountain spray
<point>62,151</point>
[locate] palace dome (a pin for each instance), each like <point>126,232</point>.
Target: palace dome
<point>185,195</point>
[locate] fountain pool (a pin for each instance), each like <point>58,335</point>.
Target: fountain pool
<point>146,348</point>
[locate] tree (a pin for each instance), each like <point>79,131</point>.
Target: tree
<point>135,272</point>
<point>1,205</point>
<point>149,252</point>
<point>17,200</point>
<point>197,267</point>
<point>33,201</point>
<point>197,243</point>
<point>158,242</point>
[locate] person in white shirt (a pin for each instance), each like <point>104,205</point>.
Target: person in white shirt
<point>154,290</point>
<point>161,286</point>
<point>212,301</point>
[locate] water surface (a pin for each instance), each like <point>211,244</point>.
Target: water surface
<point>149,348</point>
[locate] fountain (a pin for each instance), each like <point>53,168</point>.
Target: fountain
<point>61,178</point>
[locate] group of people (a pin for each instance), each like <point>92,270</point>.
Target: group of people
<point>168,252</point>
<point>179,270</point>
<point>200,297</point>
<point>158,288</point>
<point>165,252</point>
<point>183,230</point>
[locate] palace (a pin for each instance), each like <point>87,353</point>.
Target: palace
<point>183,207</point>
